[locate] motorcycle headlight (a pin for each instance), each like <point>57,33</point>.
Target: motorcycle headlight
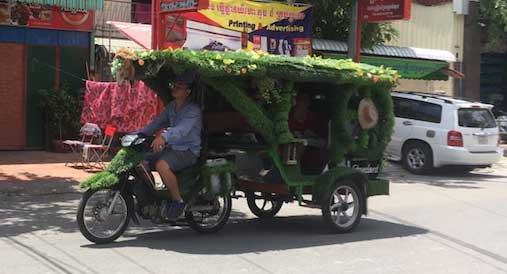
<point>127,140</point>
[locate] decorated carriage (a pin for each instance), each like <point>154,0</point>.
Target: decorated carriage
<point>253,146</point>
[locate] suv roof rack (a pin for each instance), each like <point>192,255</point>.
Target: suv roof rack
<point>430,95</point>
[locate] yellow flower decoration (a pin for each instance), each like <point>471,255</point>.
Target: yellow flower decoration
<point>228,61</point>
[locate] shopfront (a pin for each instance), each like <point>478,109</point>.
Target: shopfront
<point>43,46</point>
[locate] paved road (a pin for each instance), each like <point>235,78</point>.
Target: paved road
<point>447,223</point>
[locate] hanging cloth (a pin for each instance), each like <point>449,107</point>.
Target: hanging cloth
<point>128,108</point>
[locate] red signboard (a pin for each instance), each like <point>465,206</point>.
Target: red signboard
<point>173,6</point>
<point>384,10</point>
<point>162,18</point>
<point>48,17</point>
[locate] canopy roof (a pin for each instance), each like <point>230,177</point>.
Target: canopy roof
<point>411,63</point>
<point>213,64</point>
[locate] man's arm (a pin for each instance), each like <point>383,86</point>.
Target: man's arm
<point>181,130</point>
<point>161,121</point>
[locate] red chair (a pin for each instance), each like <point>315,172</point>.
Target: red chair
<point>94,154</point>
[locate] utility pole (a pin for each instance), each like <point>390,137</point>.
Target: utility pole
<point>354,40</point>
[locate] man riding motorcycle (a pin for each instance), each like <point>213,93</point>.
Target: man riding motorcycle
<point>179,145</point>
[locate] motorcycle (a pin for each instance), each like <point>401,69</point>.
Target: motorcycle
<point>104,213</point>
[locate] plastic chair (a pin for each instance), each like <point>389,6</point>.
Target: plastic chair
<point>95,153</point>
<point>88,133</point>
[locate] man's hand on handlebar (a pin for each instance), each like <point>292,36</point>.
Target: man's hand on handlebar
<point>158,144</point>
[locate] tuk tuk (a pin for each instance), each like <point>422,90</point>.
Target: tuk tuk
<point>248,101</point>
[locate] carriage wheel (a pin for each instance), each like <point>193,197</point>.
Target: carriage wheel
<point>263,204</point>
<point>342,207</point>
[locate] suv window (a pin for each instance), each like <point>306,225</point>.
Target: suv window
<point>417,110</point>
<point>476,117</point>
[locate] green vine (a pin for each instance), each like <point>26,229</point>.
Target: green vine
<point>268,89</point>
<point>281,111</point>
<point>246,106</point>
<point>339,125</point>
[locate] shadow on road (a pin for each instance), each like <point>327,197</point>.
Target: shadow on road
<point>55,213</point>
<point>30,202</point>
<point>256,235</point>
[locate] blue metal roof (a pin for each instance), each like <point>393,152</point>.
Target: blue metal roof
<point>391,51</point>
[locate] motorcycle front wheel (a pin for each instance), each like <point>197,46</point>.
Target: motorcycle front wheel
<point>98,221</point>
<point>210,221</point>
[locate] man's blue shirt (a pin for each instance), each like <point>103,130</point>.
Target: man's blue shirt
<point>183,128</point>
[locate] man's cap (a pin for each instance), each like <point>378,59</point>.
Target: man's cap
<point>186,77</point>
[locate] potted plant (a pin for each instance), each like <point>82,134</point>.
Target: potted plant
<point>62,112</point>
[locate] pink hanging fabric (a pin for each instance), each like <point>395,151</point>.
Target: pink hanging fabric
<point>127,107</point>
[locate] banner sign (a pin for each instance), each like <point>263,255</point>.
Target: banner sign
<point>43,16</point>
<point>272,27</point>
<point>384,10</point>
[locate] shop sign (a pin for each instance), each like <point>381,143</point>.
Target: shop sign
<point>277,28</point>
<point>182,5</point>
<point>44,16</point>
<point>384,10</point>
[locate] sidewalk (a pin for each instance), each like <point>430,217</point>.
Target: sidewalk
<point>38,173</point>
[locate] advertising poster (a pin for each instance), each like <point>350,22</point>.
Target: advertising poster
<point>44,16</point>
<point>276,28</point>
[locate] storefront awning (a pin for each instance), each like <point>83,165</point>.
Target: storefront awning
<point>411,63</point>
<point>115,44</point>
<point>71,4</point>
<point>139,33</point>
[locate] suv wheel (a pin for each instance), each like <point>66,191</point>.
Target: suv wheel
<point>417,158</point>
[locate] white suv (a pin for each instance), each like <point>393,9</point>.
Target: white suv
<point>434,130</point>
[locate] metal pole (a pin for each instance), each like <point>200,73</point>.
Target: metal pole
<point>154,24</point>
<point>354,39</point>
<point>352,30</point>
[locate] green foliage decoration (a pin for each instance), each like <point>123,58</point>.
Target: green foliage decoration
<point>123,161</point>
<point>339,125</point>
<point>228,72</point>
<point>220,170</point>
<point>243,104</point>
<point>280,114</point>
<point>210,64</point>
<point>268,90</point>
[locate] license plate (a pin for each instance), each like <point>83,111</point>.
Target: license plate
<point>483,140</point>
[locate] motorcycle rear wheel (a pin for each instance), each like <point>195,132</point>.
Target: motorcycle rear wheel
<point>211,222</point>
<point>92,214</point>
